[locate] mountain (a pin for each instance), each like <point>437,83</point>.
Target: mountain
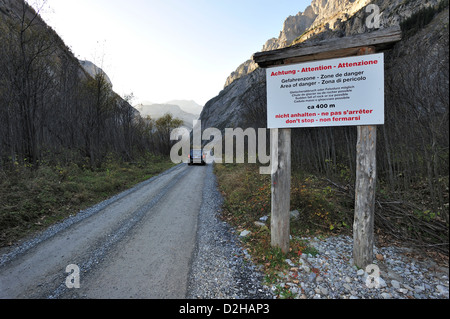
<point>155,111</point>
<point>93,70</point>
<point>323,19</point>
<point>332,15</point>
<point>187,106</point>
<point>186,110</point>
<point>51,103</point>
<point>412,149</point>
<point>296,25</point>
<point>229,108</point>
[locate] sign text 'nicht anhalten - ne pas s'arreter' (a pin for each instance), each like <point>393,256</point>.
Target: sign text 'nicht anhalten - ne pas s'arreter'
<point>337,92</point>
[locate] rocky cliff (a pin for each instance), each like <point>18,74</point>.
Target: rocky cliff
<point>344,17</point>
<point>49,104</point>
<point>12,10</point>
<point>323,19</point>
<point>93,70</point>
<point>229,107</point>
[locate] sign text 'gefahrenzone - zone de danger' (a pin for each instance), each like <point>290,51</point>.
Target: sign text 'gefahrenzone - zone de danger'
<point>338,92</point>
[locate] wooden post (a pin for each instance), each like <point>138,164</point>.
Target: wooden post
<point>281,188</point>
<point>363,238</point>
<point>360,44</point>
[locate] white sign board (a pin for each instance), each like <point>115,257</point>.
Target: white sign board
<point>338,92</point>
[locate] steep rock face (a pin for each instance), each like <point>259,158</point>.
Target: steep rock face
<point>61,57</point>
<point>345,17</point>
<point>330,11</point>
<point>227,108</point>
<point>320,12</point>
<point>354,19</point>
<point>13,7</point>
<point>245,68</point>
<point>293,26</point>
<point>93,70</point>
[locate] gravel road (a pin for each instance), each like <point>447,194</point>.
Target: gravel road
<point>142,243</point>
<point>163,239</point>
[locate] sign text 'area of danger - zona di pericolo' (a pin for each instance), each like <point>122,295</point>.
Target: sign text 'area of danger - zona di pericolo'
<point>337,92</point>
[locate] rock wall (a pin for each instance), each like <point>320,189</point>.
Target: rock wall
<point>333,19</point>
<point>343,17</point>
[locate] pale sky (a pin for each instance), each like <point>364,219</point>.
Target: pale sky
<point>162,50</point>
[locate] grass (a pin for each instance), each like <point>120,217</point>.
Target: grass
<point>324,210</point>
<point>32,200</point>
<point>247,198</point>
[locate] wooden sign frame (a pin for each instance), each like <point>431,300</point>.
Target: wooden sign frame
<point>363,233</point>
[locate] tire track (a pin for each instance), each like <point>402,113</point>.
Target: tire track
<point>36,268</point>
<point>109,241</point>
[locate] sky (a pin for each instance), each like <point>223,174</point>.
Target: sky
<point>162,50</point>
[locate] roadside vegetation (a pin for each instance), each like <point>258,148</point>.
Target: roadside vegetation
<point>412,186</point>
<point>32,199</point>
<point>247,199</point>
<point>320,207</point>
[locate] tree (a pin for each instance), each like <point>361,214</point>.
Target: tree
<point>164,126</point>
<point>27,53</point>
<point>98,102</point>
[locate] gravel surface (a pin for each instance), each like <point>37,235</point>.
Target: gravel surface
<point>329,274</point>
<point>9,253</point>
<point>221,268</point>
<point>137,244</point>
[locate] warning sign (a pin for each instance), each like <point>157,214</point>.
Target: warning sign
<point>338,92</point>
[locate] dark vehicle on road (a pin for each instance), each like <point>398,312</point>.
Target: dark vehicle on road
<point>197,156</point>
